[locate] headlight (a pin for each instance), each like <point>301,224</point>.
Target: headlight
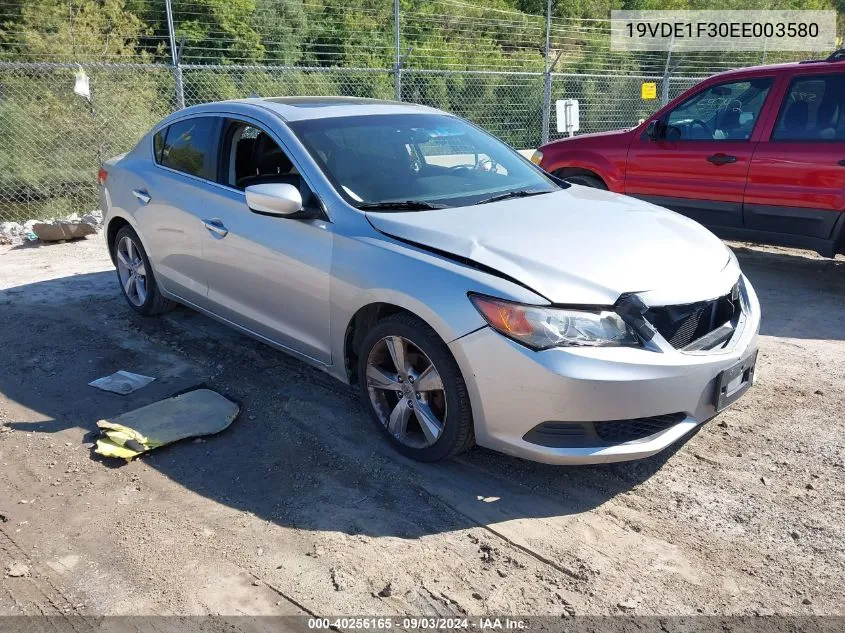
<point>536,157</point>
<point>542,328</point>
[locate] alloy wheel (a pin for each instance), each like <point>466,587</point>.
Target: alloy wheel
<point>131,270</point>
<point>406,391</point>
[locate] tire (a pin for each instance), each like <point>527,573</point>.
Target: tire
<point>450,405</point>
<point>143,294</point>
<point>586,180</point>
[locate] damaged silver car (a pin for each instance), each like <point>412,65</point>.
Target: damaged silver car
<point>472,297</point>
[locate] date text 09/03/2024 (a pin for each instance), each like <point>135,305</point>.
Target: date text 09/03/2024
<point>412,623</point>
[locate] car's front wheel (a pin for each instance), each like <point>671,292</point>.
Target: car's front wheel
<point>414,390</point>
<point>135,274</point>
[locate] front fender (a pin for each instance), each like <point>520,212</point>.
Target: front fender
<point>368,270</point>
<point>589,160</point>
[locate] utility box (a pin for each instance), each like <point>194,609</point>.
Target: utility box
<point>568,116</point>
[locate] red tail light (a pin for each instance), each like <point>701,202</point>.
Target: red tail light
<point>102,175</point>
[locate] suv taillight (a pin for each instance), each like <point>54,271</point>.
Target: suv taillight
<point>102,175</point>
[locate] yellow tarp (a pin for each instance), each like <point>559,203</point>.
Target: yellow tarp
<point>192,414</point>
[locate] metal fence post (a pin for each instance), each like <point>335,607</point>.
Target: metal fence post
<point>547,79</point>
<point>174,56</point>
<point>397,62</point>
<point>664,87</point>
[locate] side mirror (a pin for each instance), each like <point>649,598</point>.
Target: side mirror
<point>278,199</point>
<point>652,131</point>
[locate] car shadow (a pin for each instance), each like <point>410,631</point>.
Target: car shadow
<point>303,452</point>
<point>801,296</point>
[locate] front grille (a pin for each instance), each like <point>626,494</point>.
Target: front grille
<point>684,324</point>
<point>598,434</point>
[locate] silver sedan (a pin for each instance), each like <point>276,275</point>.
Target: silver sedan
<point>470,296</point>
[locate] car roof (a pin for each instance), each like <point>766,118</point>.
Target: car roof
<point>301,108</point>
<point>821,65</point>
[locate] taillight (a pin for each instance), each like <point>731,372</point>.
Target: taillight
<point>102,175</point>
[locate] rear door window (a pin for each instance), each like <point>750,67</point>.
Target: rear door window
<point>188,147</point>
<point>813,110</point>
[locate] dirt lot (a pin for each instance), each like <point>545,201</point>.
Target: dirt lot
<point>301,507</point>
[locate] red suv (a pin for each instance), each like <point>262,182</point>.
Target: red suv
<point>755,154</point>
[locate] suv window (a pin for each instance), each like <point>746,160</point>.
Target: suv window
<point>724,112</point>
<point>187,146</point>
<point>813,110</point>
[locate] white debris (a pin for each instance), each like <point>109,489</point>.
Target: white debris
<point>95,218</point>
<point>122,382</point>
<point>71,227</point>
<point>11,232</point>
<point>17,570</point>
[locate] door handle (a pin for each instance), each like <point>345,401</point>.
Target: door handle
<point>842,162</point>
<point>721,159</point>
<point>216,227</point>
<point>142,195</point>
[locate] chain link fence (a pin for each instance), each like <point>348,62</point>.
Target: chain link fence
<point>500,68</point>
<point>52,141</point>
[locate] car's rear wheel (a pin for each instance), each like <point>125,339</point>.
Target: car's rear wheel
<point>137,282</point>
<point>414,389</point>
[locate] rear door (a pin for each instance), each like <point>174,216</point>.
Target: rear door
<point>173,201</point>
<point>698,161</point>
<point>796,184</point>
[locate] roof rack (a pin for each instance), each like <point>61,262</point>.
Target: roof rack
<point>838,56</point>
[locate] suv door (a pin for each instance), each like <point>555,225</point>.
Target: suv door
<point>796,184</point>
<point>267,274</point>
<point>173,200</point>
<point>695,157</point>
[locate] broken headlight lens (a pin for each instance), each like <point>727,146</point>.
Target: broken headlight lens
<point>541,328</point>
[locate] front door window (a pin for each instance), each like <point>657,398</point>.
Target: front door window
<point>724,112</point>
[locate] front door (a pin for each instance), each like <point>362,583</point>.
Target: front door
<point>796,184</point>
<point>267,274</point>
<point>697,158</point>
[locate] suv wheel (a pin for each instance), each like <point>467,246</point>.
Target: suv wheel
<point>135,275</point>
<point>414,390</point>
<point>586,180</point>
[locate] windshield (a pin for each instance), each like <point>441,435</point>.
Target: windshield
<point>416,161</point>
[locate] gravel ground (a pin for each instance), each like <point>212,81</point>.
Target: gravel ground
<point>300,507</point>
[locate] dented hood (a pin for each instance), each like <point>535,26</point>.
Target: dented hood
<point>578,246</point>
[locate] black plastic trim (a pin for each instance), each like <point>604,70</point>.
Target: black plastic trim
<point>600,434</point>
<point>707,212</point>
<point>824,247</point>
<point>817,223</point>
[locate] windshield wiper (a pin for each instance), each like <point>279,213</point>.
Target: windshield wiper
<point>519,193</point>
<point>406,205</point>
